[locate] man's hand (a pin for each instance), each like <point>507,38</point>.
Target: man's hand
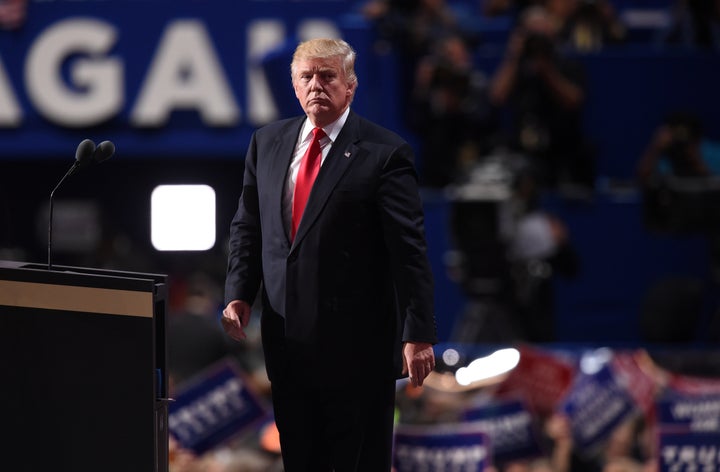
<point>418,361</point>
<point>235,318</point>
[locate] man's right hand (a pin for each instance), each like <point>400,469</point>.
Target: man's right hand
<point>235,318</point>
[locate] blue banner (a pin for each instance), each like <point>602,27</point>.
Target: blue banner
<point>441,448</point>
<point>688,433</point>
<point>595,406</point>
<point>213,407</point>
<point>510,428</point>
<point>160,78</point>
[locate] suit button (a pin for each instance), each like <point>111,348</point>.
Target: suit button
<point>293,257</point>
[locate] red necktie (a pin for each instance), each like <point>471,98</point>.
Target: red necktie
<point>309,167</point>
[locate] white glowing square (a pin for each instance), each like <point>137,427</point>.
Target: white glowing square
<point>182,217</point>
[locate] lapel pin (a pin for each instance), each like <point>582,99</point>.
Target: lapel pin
<point>347,153</point>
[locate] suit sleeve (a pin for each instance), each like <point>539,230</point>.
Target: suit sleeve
<point>404,233</point>
<point>244,272</point>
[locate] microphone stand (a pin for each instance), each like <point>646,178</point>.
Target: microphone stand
<point>50,214</point>
<point>85,154</point>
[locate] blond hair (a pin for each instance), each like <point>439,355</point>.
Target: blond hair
<point>323,48</point>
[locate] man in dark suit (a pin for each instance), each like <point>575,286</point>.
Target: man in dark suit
<point>346,283</point>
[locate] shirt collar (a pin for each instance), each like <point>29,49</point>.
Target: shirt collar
<point>332,130</point>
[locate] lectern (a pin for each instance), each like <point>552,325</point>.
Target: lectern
<point>83,379</point>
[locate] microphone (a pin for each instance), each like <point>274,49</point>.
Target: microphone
<point>103,152</point>
<point>83,156</point>
<point>86,154</point>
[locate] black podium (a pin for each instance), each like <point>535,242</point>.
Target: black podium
<point>83,379</point>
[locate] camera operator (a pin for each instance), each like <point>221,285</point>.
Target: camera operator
<point>544,94</point>
<point>449,111</point>
<point>540,250</point>
<point>676,143</point>
<point>587,25</point>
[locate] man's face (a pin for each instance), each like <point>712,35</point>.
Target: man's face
<point>322,89</point>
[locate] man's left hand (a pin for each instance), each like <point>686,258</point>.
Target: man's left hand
<point>418,361</point>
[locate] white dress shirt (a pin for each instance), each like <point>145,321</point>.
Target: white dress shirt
<point>304,138</point>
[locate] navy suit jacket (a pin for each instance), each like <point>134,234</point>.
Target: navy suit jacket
<point>356,282</point>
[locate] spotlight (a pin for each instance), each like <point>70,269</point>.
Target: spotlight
<point>182,217</point>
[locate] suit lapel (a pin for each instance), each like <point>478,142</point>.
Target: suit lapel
<point>284,148</point>
<point>336,164</point>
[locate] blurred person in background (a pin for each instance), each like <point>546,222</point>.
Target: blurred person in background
<point>562,452</point>
<point>694,24</point>
<point>196,341</point>
<point>543,93</point>
<point>232,458</point>
<point>539,251</point>
<point>415,26</point>
<point>678,175</point>
<point>586,25</point>
<point>346,282</point>
<point>678,152</point>
<point>675,149</point>
<point>513,8</point>
<point>450,112</point>
<point>508,254</point>
<point>411,30</point>
<point>12,14</point>
<point>628,447</point>
<point>195,338</point>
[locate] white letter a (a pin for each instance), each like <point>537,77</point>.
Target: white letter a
<point>185,74</point>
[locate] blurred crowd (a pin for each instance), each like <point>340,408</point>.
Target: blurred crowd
<point>533,102</point>
<point>196,343</point>
<point>496,138</point>
<point>542,431</point>
<point>630,441</point>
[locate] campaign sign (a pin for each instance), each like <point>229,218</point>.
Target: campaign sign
<point>540,378</point>
<point>214,406</point>
<point>457,447</point>
<point>510,428</point>
<point>596,404</point>
<point>689,433</point>
<point>635,380</point>
<point>690,385</point>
